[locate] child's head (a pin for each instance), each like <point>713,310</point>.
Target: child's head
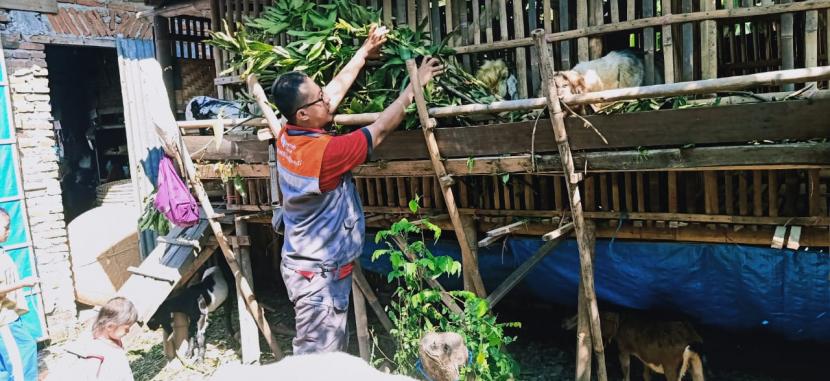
<point>115,319</point>
<point>5,225</point>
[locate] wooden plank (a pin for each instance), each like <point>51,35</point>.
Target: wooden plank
<point>468,253</point>
<point>615,192</point>
<point>533,24</point>
<point>370,192</point>
<point>811,40</point>
<point>615,11</point>
<point>463,194</point>
<point>249,337</point>
<point>654,191</point>
<point>778,237</point>
<point>463,39</point>
<point>521,59</point>
<point>814,197</point>
<point>709,43</point>
<point>528,191</point>
<point>557,193</point>
<point>361,322</point>
<point>44,6</point>
<point>603,193</point>
<point>564,45</point>
<point>496,192</point>
<point>411,15</point>
<point>796,120</point>
<point>525,268</point>
<point>590,200</point>
<point>449,19</point>
<point>596,18</point>
<point>366,289</point>
<point>794,238</point>
<point>426,183</point>
<point>503,230</point>
<point>547,16</point>
<point>379,192</point>
<point>630,10</point>
<point>488,15</point>
<point>729,195</point>
<point>584,335</point>
<point>668,45</point>
<point>476,24</point>
<point>515,183</point>
<point>505,190</point>
<point>546,190</point>
<point>648,44</point>
<point>710,185</point>
<point>503,33</point>
<point>688,46</point>
<point>757,192</point>
<point>629,192</point>
<point>641,189</point>
<point>672,190</point>
<point>818,221</point>
<point>582,23</point>
<point>772,193</point>
<point>786,44</point>
<point>391,197</point>
<point>424,13</point>
<point>387,12</point>
<point>743,193</point>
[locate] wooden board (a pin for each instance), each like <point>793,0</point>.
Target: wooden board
<point>45,6</point>
<point>713,125</point>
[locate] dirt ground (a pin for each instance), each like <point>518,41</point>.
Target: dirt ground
<point>543,350</point>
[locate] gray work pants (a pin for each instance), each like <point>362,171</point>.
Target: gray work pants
<point>321,307</point>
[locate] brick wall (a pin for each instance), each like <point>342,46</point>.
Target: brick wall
<point>93,22</point>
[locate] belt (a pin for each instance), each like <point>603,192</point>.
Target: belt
<point>322,269</point>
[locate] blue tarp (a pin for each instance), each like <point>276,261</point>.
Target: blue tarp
<point>722,285</point>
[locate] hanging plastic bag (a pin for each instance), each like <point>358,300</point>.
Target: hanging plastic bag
<point>173,199</point>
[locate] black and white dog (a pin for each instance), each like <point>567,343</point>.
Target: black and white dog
<point>196,301</point>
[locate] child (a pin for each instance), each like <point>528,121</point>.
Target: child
<point>18,349</point>
<point>102,356</point>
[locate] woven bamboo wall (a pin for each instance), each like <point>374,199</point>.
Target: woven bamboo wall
<point>196,79</point>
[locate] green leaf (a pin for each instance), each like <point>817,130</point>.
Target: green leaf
<point>471,162</point>
<point>413,206</point>
<point>505,178</point>
<point>316,50</point>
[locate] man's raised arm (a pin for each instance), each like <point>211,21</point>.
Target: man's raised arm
<point>337,88</point>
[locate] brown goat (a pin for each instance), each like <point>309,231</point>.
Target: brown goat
<point>671,348</point>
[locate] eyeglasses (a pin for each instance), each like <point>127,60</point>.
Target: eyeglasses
<point>311,103</point>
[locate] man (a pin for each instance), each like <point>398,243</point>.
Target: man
<point>18,349</point>
<point>324,226</point>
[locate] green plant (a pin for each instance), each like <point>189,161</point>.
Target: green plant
<point>152,219</point>
<point>417,308</point>
<point>326,36</point>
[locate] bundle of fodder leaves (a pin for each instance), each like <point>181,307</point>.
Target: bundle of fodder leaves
<point>324,38</point>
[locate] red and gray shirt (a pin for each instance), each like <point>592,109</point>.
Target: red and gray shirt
<point>324,224</point>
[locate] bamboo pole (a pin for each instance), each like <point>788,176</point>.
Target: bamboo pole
<point>596,19</point>
<point>586,265</point>
<point>521,58</point>
<point>565,45</point>
<point>248,337</point>
<point>772,78</point>
<point>666,19</point>
<point>648,44</point>
<point>445,181</point>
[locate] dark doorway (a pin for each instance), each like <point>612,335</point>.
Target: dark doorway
<point>89,122</point>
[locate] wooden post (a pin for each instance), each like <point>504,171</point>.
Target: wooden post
<point>445,181</point>
<point>596,19</point>
<point>583,325</point>
<point>787,47</point>
<point>161,30</point>
<point>248,336</point>
<point>648,44</point>
<point>521,59</point>
<point>811,41</point>
<point>586,265</point>
<point>687,72</point>
<point>361,322</point>
<point>472,279</point>
<point>369,294</point>
<point>581,23</point>
<point>709,43</point>
<point>668,45</point>
<point>564,46</point>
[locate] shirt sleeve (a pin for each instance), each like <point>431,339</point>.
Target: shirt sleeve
<point>344,153</point>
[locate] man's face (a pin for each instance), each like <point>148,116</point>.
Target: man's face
<point>314,111</point>
<point>4,227</point>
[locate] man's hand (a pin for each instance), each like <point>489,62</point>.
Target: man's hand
<point>429,69</point>
<point>374,42</point>
<point>29,281</point>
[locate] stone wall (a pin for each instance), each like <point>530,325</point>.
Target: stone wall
<point>24,35</point>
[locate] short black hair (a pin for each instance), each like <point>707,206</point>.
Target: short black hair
<point>285,93</point>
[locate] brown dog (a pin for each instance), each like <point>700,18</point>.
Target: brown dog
<point>672,348</point>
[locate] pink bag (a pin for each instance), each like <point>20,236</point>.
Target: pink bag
<point>173,199</point>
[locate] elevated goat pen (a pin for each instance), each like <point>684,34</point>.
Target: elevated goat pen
<point>747,165</point>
